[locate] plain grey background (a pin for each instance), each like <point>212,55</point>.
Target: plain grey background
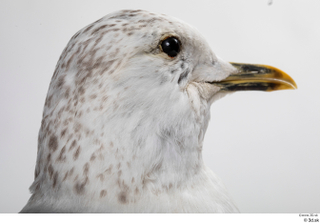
<point>265,146</point>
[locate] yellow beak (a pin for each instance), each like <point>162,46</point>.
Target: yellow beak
<point>253,77</point>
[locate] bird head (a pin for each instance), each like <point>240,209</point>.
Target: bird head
<point>130,98</point>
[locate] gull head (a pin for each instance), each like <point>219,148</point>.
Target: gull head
<point>125,117</point>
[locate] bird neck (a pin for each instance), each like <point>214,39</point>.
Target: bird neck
<point>147,154</point>
<point>88,150</point>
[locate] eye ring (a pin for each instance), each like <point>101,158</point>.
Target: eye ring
<point>171,46</point>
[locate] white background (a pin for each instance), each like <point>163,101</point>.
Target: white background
<point>265,146</point>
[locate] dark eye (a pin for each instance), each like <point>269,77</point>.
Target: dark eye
<point>171,46</point>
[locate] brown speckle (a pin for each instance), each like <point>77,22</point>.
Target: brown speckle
<point>104,98</point>
<point>53,143</point>
<point>68,109</point>
<point>101,177</point>
<point>65,122</point>
<point>122,197</point>
<point>69,138</point>
<point>69,61</point>
<point>49,157</point>
<point>36,173</point>
<point>93,157</point>
<point>103,193</point>
<point>55,178</point>
<point>38,186</point>
<point>60,81</point>
<point>80,187</point>
<point>75,35</point>
<point>88,28</point>
<point>63,132</point>
<point>107,66</point>
<point>79,114</point>
<point>50,170</point>
<point>86,169</point>
<point>97,41</point>
<point>48,101</point>
<point>65,176</point>
<point>99,28</point>
<point>73,144</point>
<point>117,65</point>
<point>61,156</point>
<point>77,127</point>
<point>143,181</point>
<point>108,171</point>
<point>60,111</point>
<point>76,154</point>
<point>115,53</point>
<point>71,171</point>
<point>81,90</point>
<point>93,96</point>
<point>57,69</point>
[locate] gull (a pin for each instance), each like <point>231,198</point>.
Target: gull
<point>126,114</point>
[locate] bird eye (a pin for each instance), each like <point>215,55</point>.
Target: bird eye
<point>170,46</point>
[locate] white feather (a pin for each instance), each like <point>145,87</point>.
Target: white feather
<point>120,131</point>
